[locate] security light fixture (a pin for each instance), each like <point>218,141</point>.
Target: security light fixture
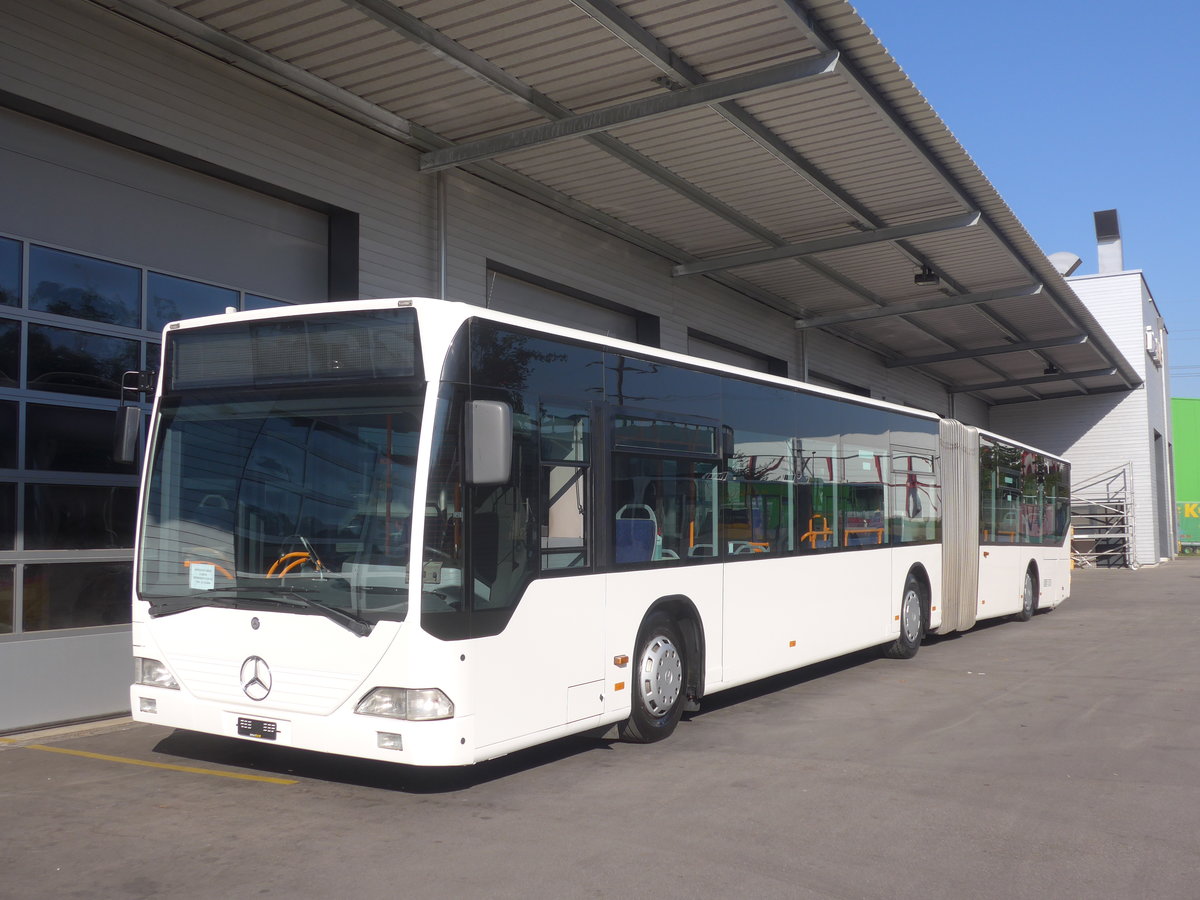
<point>926,277</point>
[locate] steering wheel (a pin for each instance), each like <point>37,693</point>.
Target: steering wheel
<point>436,554</point>
<point>293,560</point>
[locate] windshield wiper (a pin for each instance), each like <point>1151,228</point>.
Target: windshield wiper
<point>169,606</point>
<point>348,620</point>
<point>289,596</point>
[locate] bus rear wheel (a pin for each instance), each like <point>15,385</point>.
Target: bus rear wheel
<point>1028,596</point>
<point>912,621</point>
<point>661,682</point>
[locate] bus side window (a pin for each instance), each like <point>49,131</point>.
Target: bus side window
<point>565,438</point>
<point>665,509</point>
<point>503,531</point>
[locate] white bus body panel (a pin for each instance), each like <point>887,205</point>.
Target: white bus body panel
<point>546,669</point>
<point>1002,577</point>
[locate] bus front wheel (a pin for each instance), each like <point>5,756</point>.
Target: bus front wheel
<point>912,621</point>
<point>661,681</point>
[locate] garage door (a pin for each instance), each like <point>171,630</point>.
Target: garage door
<point>99,248</point>
<point>523,298</point>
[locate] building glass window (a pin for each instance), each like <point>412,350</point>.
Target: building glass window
<point>8,515</point>
<point>10,272</point>
<point>79,517</point>
<point>10,352</point>
<point>253,301</point>
<point>69,284</point>
<point>76,595</point>
<point>74,362</point>
<point>66,439</point>
<point>76,506</point>
<point>6,599</point>
<point>8,434</point>
<point>171,299</point>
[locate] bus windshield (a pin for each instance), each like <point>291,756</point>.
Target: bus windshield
<point>296,503</point>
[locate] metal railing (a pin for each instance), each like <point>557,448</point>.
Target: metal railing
<point>1102,520</point>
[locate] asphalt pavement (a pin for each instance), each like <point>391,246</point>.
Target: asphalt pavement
<point>1054,758</point>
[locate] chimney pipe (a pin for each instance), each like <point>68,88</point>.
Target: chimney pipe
<point>1108,242</point>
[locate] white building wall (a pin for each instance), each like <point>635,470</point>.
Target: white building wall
<point>1103,432</point>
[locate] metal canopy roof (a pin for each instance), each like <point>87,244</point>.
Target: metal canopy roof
<point>771,145</point>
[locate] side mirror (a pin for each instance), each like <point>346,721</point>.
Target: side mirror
<point>125,440</point>
<point>489,438</point>
<point>129,418</point>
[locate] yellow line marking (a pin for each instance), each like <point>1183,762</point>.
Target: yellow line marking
<point>153,765</point>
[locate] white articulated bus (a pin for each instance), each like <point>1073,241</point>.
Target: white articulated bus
<point>425,532</point>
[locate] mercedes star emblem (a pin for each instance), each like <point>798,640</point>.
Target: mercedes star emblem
<point>256,678</point>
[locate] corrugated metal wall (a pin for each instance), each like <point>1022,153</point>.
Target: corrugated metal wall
<point>1105,431</point>
<point>75,56</point>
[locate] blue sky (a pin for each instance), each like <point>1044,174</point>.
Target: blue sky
<point>1072,106</point>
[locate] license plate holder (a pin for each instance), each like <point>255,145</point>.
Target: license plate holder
<point>257,728</point>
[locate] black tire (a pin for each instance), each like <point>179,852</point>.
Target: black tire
<point>659,682</point>
<point>1029,595</point>
<point>912,621</point>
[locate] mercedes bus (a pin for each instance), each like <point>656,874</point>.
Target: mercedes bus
<point>426,532</point>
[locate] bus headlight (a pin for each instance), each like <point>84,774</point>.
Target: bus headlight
<point>415,705</point>
<point>153,673</point>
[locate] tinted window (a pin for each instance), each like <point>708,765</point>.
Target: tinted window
<point>76,595</point>
<point>817,449</point>
<point>10,272</point>
<point>73,362</point>
<point>645,433</point>
<point>758,492</point>
<point>515,361</point>
<point>66,439</point>
<point>565,433</point>
<point>866,469</point>
<point>664,510</point>
<point>914,502</point>
<point>72,285</point>
<point>170,299</point>
<point>10,352</point>
<point>1000,484</point>
<point>661,387</point>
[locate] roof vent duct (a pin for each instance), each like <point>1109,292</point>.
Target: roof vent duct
<point>1108,242</point>
<point>1065,263</point>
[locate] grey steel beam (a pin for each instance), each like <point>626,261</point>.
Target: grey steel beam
<point>241,55</point>
<point>917,306</point>
<point>1040,379</point>
<point>803,20</point>
<point>905,362</point>
<point>473,64</point>
<point>651,49</point>
<point>658,54</point>
<point>1090,392</point>
<point>248,58</point>
<point>836,242</point>
<point>640,110</point>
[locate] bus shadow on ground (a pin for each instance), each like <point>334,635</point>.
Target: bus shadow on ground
<point>290,762</point>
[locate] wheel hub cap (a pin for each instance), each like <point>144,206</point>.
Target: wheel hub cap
<point>661,676</point>
<point>911,616</point>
